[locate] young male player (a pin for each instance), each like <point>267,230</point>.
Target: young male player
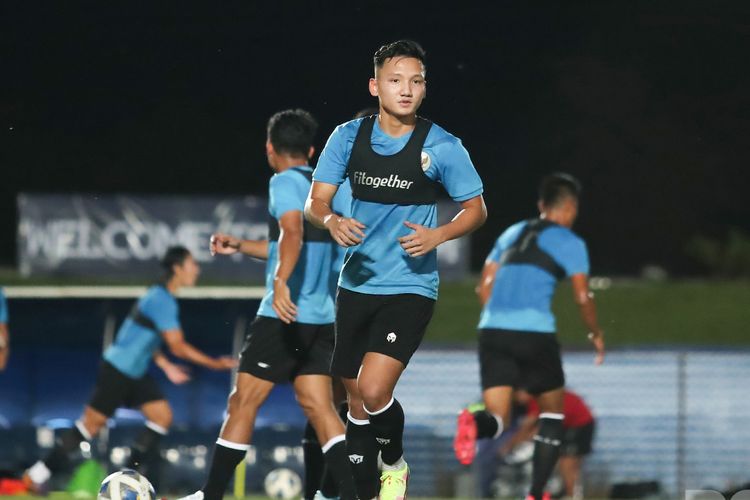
<point>123,379</point>
<point>292,336</point>
<point>517,342</point>
<point>397,163</point>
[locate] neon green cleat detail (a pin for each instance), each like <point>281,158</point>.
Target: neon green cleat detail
<point>394,483</point>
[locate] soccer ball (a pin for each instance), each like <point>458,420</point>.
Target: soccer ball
<point>283,483</point>
<point>126,484</point>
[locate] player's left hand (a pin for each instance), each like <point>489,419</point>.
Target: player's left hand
<point>285,309</point>
<point>422,241</point>
<point>226,362</point>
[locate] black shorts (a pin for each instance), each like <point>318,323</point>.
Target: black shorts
<point>279,352</point>
<point>393,325</point>
<point>520,359</point>
<point>576,441</point>
<point>115,389</point>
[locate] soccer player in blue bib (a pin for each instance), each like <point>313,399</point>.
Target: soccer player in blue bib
<point>123,379</point>
<point>517,341</point>
<point>4,333</point>
<point>291,337</point>
<point>397,163</point>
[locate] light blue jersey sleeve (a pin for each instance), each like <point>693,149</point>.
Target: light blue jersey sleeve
<point>162,309</point>
<point>284,194</point>
<point>504,241</point>
<point>334,158</point>
<point>454,168</point>
<point>567,249</point>
<point>3,308</point>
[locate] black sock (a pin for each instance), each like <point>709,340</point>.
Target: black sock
<point>388,427</point>
<point>223,463</point>
<point>313,462</point>
<point>328,486</point>
<point>546,452</point>
<point>363,457</point>
<point>486,424</point>
<point>58,458</point>
<point>337,462</point>
<point>145,447</point>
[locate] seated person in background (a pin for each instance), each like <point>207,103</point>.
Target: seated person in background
<point>578,433</point>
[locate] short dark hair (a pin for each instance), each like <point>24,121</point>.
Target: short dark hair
<point>403,48</point>
<point>558,186</point>
<point>174,256</point>
<point>292,132</point>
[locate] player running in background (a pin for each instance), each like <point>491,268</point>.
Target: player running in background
<point>4,332</point>
<point>396,163</point>
<point>123,379</point>
<point>291,337</point>
<point>517,341</point>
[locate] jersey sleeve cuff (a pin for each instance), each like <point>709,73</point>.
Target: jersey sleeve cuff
<point>468,196</point>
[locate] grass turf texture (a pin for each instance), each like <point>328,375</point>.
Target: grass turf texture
<point>631,313</point>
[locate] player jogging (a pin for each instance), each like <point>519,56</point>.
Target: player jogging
<point>397,163</point>
<point>517,341</point>
<point>123,379</point>
<point>291,337</point>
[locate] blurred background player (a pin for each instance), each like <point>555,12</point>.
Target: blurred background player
<point>291,337</point>
<point>123,379</point>
<point>517,341</point>
<point>4,332</point>
<point>578,434</point>
<point>396,163</point>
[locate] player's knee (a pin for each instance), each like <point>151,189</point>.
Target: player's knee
<point>314,405</point>
<point>375,397</point>
<point>244,401</point>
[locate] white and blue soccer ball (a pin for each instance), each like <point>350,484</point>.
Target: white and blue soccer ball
<point>126,484</point>
<point>283,483</point>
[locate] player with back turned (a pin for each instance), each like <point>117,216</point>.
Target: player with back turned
<point>517,341</point>
<point>397,162</point>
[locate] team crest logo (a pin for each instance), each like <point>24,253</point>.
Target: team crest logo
<point>391,337</point>
<point>356,459</point>
<point>426,161</point>
<point>382,440</point>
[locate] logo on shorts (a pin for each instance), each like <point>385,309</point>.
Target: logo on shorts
<point>263,365</point>
<point>382,440</point>
<point>356,459</point>
<point>391,337</point>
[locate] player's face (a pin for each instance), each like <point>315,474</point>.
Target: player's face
<point>188,271</point>
<point>400,85</point>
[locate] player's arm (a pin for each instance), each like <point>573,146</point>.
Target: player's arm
<point>424,239</point>
<point>486,280</point>
<point>526,431</point>
<point>175,373</point>
<point>181,348</point>
<point>225,244</point>
<point>4,345</point>
<point>290,246</point>
<point>586,307</point>
<point>345,231</point>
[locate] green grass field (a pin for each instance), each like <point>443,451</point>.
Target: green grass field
<point>630,312</point>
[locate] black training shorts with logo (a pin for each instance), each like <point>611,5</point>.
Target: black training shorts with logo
<point>393,325</point>
<point>114,389</point>
<point>529,360</point>
<point>280,352</point>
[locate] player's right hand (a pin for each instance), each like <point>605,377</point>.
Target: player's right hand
<point>176,374</point>
<point>226,363</point>
<point>597,338</point>
<point>345,231</point>
<point>223,244</point>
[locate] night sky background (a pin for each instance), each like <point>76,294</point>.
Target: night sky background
<point>647,102</point>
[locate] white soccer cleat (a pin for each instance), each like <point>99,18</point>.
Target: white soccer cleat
<point>198,495</point>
